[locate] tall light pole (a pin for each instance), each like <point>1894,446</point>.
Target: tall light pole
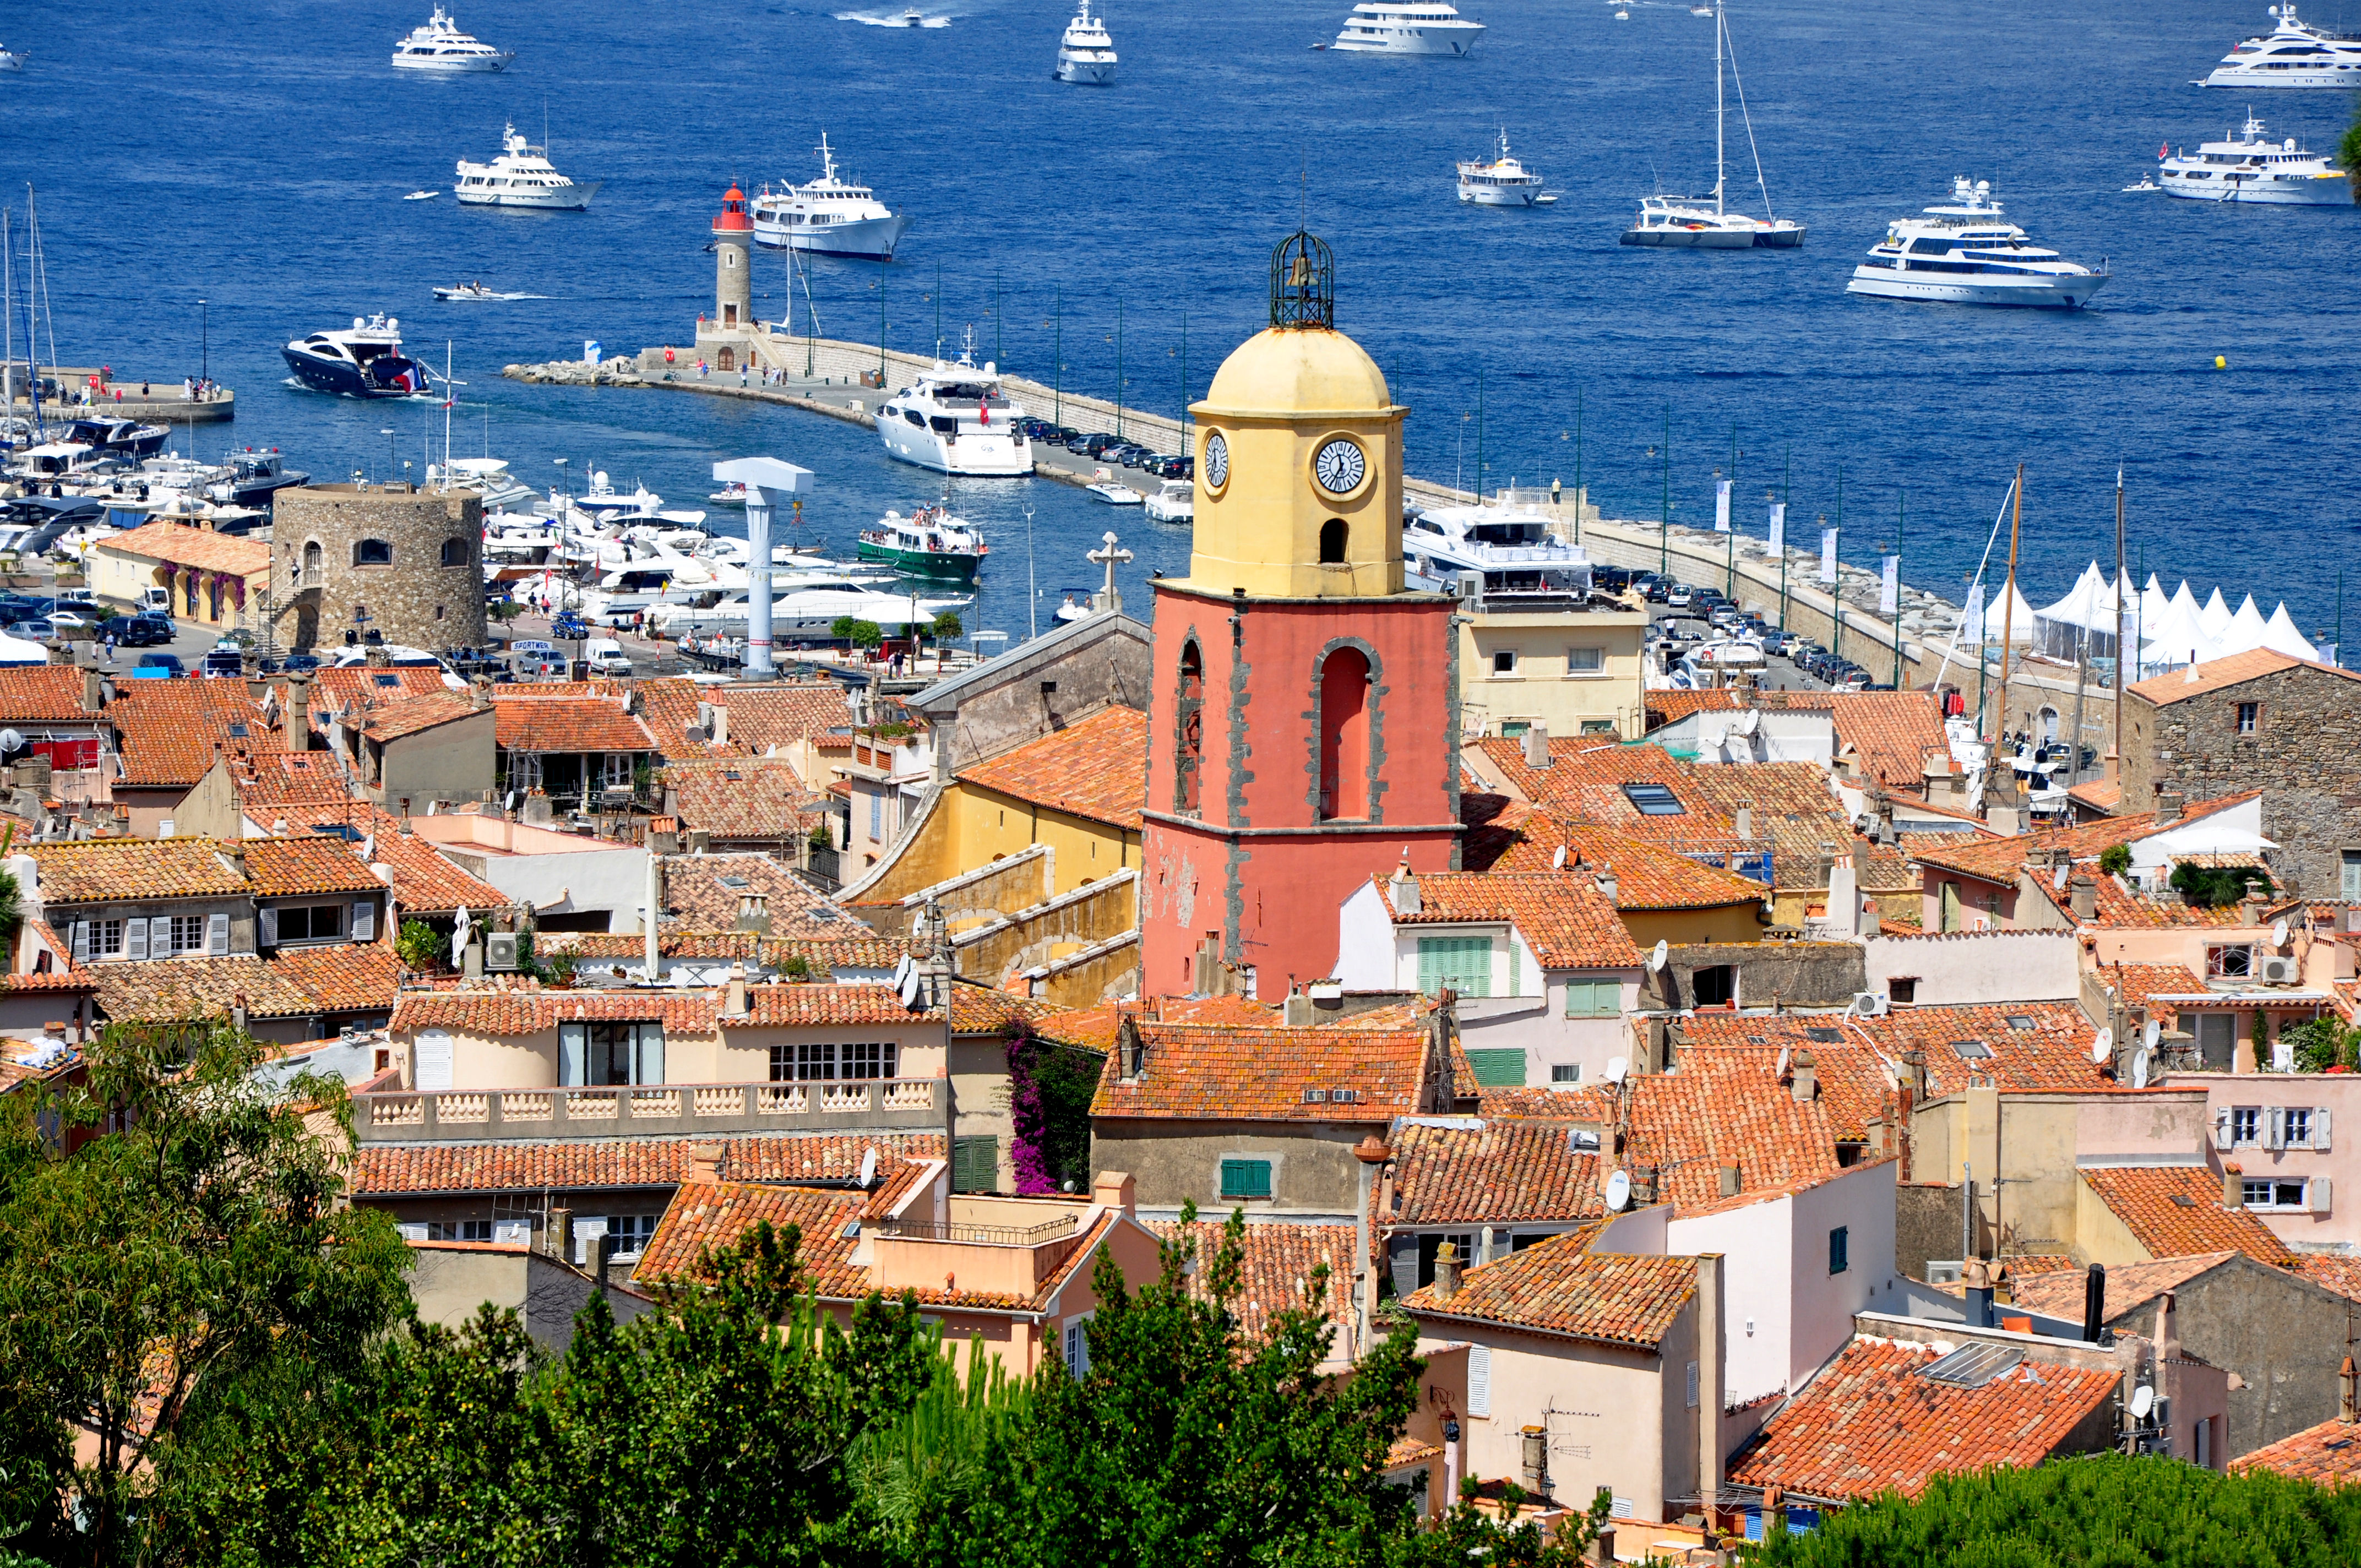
<point>1032,588</point>
<point>1664,521</point>
<point>205,340</point>
<point>388,433</point>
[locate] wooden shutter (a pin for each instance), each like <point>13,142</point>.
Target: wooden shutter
<point>159,936</point>
<point>365,920</point>
<point>1693,1386</point>
<point>2318,1190</point>
<point>1499,1067</point>
<point>975,1165</point>
<point>1479,1379</point>
<point>571,1039</point>
<point>135,940</point>
<point>217,934</point>
<point>2274,1128</point>
<point>651,1055</point>
<point>2319,1128</point>
<point>1403,1259</point>
<point>433,1067</point>
<point>2222,1127</point>
<point>1463,963</point>
<point>265,927</point>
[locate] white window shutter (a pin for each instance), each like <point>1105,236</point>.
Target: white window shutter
<point>265,927</point>
<point>159,936</point>
<point>1693,1386</point>
<point>2318,1190</point>
<point>135,940</point>
<point>217,934</point>
<point>2319,1128</point>
<point>81,941</point>
<point>365,920</point>
<point>2274,1126</point>
<point>2222,1127</point>
<point>1479,1379</point>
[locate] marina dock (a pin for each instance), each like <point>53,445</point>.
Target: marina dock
<point>158,398</point>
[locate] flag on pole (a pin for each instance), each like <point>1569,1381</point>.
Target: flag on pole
<point>1972,620</point>
<point>1778,526</point>
<point>1721,508</point>
<point>1829,555</point>
<point>1889,591</point>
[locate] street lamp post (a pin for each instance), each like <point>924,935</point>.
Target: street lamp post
<point>1664,520</point>
<point>205,340</point>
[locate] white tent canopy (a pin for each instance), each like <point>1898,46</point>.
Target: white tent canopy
<point>2176,638</point>
<point>2084,618</point>
<point>2246,631</point>
<point>2282,637</point>
<point>2215,617</point>
<point>2019,619</point>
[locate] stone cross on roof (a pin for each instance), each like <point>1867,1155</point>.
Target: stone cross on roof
<point>1110,556</point>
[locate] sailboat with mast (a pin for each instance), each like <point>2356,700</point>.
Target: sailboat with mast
<point>1688,223</point>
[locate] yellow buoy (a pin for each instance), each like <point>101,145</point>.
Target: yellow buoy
<point>2220,363</point>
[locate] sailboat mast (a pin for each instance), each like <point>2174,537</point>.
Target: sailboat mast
<point>8,326</point>
<point>1720,176</point>
<point>2008,610</point>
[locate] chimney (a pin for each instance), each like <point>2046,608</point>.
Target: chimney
<point>1402,890</point>
<point>2167,1332</point>
<point>2168,803</point>
<point>1115,1190</point>
<point>1297,1014</point>
<point>1537,752</point>
<point>1133,1049</point>
<point>721,724</point>
<point>559,1236</point>
<point>1372,1155</point>
<point>1745,825</point>
<point>1447,1271</point>
<point>1913,1067</point>
<point>734,1004</point>
<point>479,694</point>
<point>2094,1302</point>
<point>2082,897</point>
<point>1606,882</point>
<point>295,714</point>
<point>237,1013</point>
<point>94,692</point>
<point>1536,1459</point>
<point>2345,1392</point>
<point>705,1160</point>
<point>606,1265</point>
<point>2234,1187</point>
<point>1977,1278</point>
<point>1805,1069</point>
<point>754,911</point>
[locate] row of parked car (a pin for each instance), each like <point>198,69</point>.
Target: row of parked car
<point>1730,619</point>
<point>1114,449</point>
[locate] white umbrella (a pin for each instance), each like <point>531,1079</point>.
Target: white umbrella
<point>2280,636</point>
<point>2216,616</point>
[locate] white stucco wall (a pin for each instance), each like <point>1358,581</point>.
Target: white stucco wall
<point>614,878</point>
<point>1365,942</point>
<point>1972,968</point>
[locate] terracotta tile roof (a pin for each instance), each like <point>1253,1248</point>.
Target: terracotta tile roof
<point>1561,1287</point>
<point>1242,1011</point>
<point>418,713</point>
<point>531,722</point>
<point>1563,919</point>
<point>425,882</point>
<point>2135,984</point>
<point>1094,767</point>
<point>184,545</point>
<point>716,1214</point>
<point>698,897</point>
<point>800,1006</point>
<point>171,732</point>
<point>1890,732</point>
<point>2331,1271</point>
<point>2122,907</point>
<point>744,797</point>
<point>306,864</point>
<point>856,952</point>
<point>363,691</point>
<point>282,779</point>
<point>1505,1171</point>
<point>1868,1422</point>
<point>2215,674</point>
<point>1717,1110</point>
<point>668,706</point>
<point>91,871</point>
<point>981,1010</point>
<point>1794,805</point>
<point>1092,1028</point>
<point>1201,1072</point>
<point>831,954</point>
<point>165,989</point>
<point>2099,794</point>
<point>1647,876</point>
<point>348,977</point>
<point>1584,780</point>
<point>1999,859</point>
<point>2059,1293</point>
<point>2174,1211</point>
<point>1768,1192</point>
<point>386,1169</point>
<point>42,693</point>
<point>494,1013</point>
<point>2048,1049</point>
<point>784,715</point>
<point>1275,1270</point>
<point>2329,1453</point>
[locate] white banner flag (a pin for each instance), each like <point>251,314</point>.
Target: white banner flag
<point>1778,526</point>
<point>1972,620</point>
<point>1721,508</point>
<point>1889,592</point>
<point>1827,555</point>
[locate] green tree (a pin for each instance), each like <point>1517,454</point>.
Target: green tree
<point>856,633</point>
<point>2115,859</point>
<point>948,627</point>
<point>167,1223</point>
<point>422,949</point>
<point>2349,149</point>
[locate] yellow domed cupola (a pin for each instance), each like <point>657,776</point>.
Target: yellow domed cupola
<point>1298,453</point>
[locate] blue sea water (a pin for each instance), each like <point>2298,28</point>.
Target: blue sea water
<point>254,155</point>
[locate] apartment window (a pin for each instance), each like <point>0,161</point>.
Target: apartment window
<point>458,1229</point>
<point>1653,800</point>
<point>1599,726</point>
<point>2216,1038</point>
<point>2268,1194</point>
<point>2250,718</point>
<point>608,1053</point>
<point>1246,1178</point>
<point>1584,661</point>
<point>1078,1345</point>
<point>1839,1249</point>
<point>2349,883</point>
<point>106,938</point>
<point>1565,1072</point>
<point>975,1165</point>
<point>825,1061</point>
<point>372,553</point>
<point>2229,963</point>
<point>186,935</point>
<point>2295,1127</point>
<point>310,922</point>
<point>1713,986</point>
<point>1901,990</point>
<point>877,814</point>
<point>1504,662</point>
<point>1593,999</point>
<point>2246,1125</point>
<point>619,770</point>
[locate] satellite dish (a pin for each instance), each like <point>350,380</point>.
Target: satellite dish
<point>11,741</point>
<point>2153,1032</point>
<point>2058,878</point>
<point>912,984</point>
<point>1617,1068</point>
<point>1781,1071</point>
<point>1663,950</point>
<point>868,1166</point>
<point>902,972</point>
<point>2103,1047</point>
<point>2139,1068</point>
<point>1619,1193</point>
<point>2279,927</point>
<point>1557,860</point>
<point>2143,1402</point>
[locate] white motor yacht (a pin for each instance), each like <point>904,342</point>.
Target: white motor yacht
<point>11,60</point>
<point>1086,54</point>
<point>1501,181</point>
<point>1965,253</point>
<point>1175,500</point>
<point>1509,546</point>
<point>957,419</point>
<point>365,362</point>
<point>437,44</point>
<point>2244,166</point>
<point>1115,493</point>
<point>521,177</point>
<point>1683,224</point>
<point>2296,54</point>
<point>828,216</point>
<point>1391,26</point>
<point>808,610</point>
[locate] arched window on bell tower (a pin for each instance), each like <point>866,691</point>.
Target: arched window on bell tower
<point>1189,747</point>
<point>1333,535</point>
<point>1344,735</point>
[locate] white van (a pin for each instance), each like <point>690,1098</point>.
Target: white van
<point>604,656</point>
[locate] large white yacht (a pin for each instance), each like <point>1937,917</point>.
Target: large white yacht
<point>1419,26</point>
<point>2296,54</point>
<point>957,419</point>
<point>365,362</point>
<point>1965,253</point>
<point>2243,167</point>
<point>827,217</point>
<point>1509,546</point>
<point>1086,54</point>
<point>1681,223</point>
<point>437,44</point>
<point>521,177</point>
<point>1501,181</point>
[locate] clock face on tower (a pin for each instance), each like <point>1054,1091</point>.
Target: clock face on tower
<point>1217,460</point>
<point>1340,467</point>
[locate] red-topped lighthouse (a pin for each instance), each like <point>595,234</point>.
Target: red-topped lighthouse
<point>734,280</point>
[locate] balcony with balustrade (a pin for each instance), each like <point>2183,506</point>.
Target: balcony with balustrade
<point>652,1111</point>
<point>1006,1246</point>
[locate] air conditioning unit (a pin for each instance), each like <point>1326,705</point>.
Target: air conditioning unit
<point>2278,971</point>
<point>500,951</point>
<point>1870,1005</point>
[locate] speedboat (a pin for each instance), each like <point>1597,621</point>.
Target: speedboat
<point>914,17</point>
<point>365,362</point>
<point>438,45</point>
<point>2296,54</point>
<point>957,419</point>
<point>11,60</point>
<point>521,177</point>
<point>252,478</point>
<point>733,494</point>
<point>828,216</point>
<point>473,292</point>
<point>124,437</point>
<point>1391,26</point>
<point>1686,223</point>
<point>1174,501</point>
<point>1115,494</point>
<point>2243,167</point>
<point>421,195</point>
<point>1965,253</point>
<point>930,543</point>
<point>1501,181</point>
<point>1086,54</point>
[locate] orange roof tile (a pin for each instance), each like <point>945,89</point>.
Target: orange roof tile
<point>668,706</point>
<point>2174,1211</point>
<point>2040,1046</point>
<point>1275,1270</point>
<point>783,715</point>
<point>88,870</point>
<point>1867,1422</point>
<point>2100,795</point>
<point>2215,674</point>
<point>1563,919</point>
<point>2000,860</point>
<point>163,990</point>
<point>425,881</point>
<point>171,731</point>
<point>346,977</point>
<point>703,893</point>
<point>292,779</point>
<point>384,1169</point>
<point>1095,768</point>
<point>802,1006</point>
<point>310,863</point>
<point>1501,1172</point>
<point>1198,1071</point>
<point>184,545</point>
<point>1647,876</point>
<point>2059,1293</point>
<point>744,797</point>
<point>364,688</point>
<point>531,722</point>
<point>2329,1453</point>
<point>1891,732</point>
<point>40,693</point>
<point>419,713</point>
<point>1561,1287</point>
<point>494,1013</point>
<point>2135,984</point>
<point>714,1215</point>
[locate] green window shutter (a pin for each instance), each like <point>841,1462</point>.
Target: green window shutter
<point>1463,963</point>
<point>1246,1178</point>
<point>975,1165</point>
<point>1502,1068</point>
<point>1516,968</point>
<point>1593,999</point>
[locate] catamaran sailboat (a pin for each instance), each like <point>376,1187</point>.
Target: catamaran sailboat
<point>1676,222</point>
